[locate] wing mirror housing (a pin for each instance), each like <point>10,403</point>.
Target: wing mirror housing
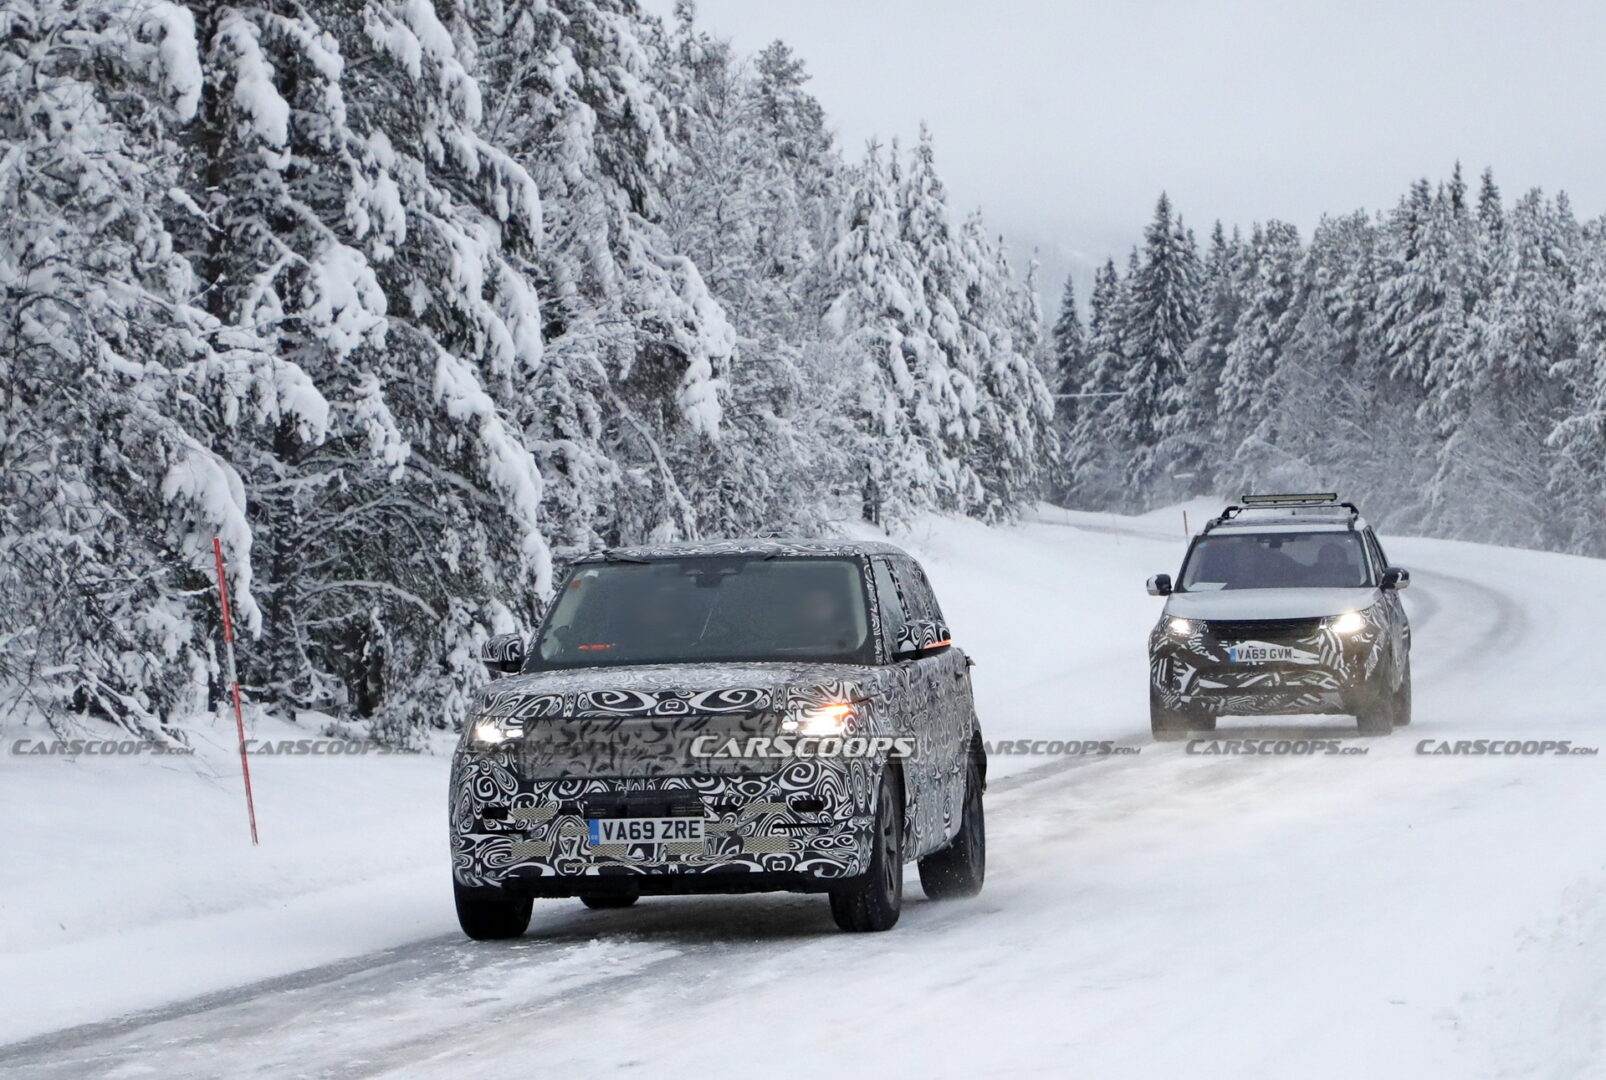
<point>921,637</point>
<point>1160,585</point>
<point>1395,577</point>
<point>503,654</point>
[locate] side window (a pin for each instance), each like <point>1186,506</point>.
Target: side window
<point>1379,560</point>
<point>893,618</point>
<point>1377,549</point>
<point>917,591</point>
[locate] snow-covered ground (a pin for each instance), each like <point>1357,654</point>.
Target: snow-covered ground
<point>1162,913</point>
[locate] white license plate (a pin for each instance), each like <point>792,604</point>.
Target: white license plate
<point>645,830</point>
<point>1259,654</point>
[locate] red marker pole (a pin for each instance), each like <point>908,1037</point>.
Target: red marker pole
<point>234,683</point>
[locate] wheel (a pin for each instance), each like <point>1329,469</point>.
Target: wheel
<point>872,901</point>
<point>959,869</point>
<point>485,916</point>
<point>1169,725</point>
<point>1402,699</point>
<point>1374,714</point>
<point>603,902</point>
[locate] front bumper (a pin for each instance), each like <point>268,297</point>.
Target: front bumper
<point>1328,672</point>
<point>803,825</point>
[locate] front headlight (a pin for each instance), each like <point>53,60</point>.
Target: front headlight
<point>829,719</point>
<point>490,731</point>
<point>1179,627</point>
<point>1351,622</point>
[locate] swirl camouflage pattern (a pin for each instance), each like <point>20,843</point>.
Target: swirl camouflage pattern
<point>621,741</point>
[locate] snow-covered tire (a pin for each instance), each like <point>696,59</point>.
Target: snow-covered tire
<point>1402,699</point>
<point>872,901</point>
<point>605,901</point>
<point>1374,714</point>
<point>486,916</point>
<point>1169,725</point>
<point>959,869</point>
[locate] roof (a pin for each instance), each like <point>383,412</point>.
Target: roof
<point>1287,519</point>
<point>755,546</point>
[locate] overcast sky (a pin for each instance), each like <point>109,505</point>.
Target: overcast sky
<point>1063,120</point>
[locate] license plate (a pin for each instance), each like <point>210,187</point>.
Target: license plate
<point>645,830</point>
<point>1259,654</point>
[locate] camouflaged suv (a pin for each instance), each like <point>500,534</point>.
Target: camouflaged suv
<point>735,716</point>
<point>1284,604</point>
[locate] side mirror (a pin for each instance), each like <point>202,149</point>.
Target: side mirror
<point>503,654</point>
<point>1160,585</point>
<point>1395,577</point>
<point>920,637</point>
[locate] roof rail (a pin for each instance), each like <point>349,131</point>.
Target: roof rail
<point>1318,500</point>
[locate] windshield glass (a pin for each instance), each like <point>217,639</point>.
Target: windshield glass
<point>698,610</point>
<point>1276,561</point>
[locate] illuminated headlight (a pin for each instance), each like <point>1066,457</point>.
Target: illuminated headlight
<point>1351,622</point>
<point>494,731</point>
<point>1180,627</point>
<point>831,719</point>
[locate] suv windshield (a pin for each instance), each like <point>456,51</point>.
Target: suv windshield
<point>697,610</point>
<point>1276,561</point>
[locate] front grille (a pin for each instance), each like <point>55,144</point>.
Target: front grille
<point>1262,629</point>
<point>641,804</point>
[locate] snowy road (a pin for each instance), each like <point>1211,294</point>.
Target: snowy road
<point>1173,912</point>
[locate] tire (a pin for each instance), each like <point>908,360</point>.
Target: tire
<point>1402,699</point>
<point>1375,714</point>
<point>958,870</point>
<point>872,901</point>
<point>604,902</point>
<point>1169,725</point>
<point>485,916</point>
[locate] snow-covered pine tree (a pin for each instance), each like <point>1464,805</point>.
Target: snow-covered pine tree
<point>878,296</point>
<point>1096,464</point>
<point>636,346</point>
<point>358,217</point>
<point>1014,437</point>
<point>1497,398</point>
<point>1263,330</point>
<point>1188,416</point>
<point>113,382</point>
<point>1576,487</point>
<point>1163,315</point>
<point>742,204</point>
<point>1064,364</point>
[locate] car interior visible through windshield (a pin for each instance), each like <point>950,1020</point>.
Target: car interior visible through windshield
<point>707,609</point>
<point>1276,561</point>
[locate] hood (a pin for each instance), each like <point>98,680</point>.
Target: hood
<point>1270,603</point>
<point>669,689</point>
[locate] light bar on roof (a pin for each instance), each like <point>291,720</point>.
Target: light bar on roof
<point>1313,498</point>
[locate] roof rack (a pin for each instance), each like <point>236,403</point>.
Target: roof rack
<point>1320,500</point>
<point>1315,498</point>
